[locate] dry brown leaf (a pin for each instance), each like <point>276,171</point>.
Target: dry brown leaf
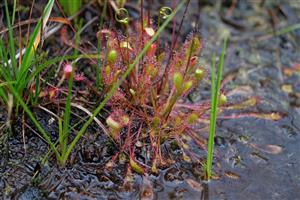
<point>273,149</point>
<point>232,175</point>
<point>195,185</point>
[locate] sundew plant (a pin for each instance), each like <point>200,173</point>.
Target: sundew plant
<point>143,86</point>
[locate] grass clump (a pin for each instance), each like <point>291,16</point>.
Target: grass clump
<point>18,72</point>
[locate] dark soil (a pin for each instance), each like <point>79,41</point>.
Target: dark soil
<point>255,158</point>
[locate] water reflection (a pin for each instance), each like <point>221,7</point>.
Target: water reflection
<point>205,193</point>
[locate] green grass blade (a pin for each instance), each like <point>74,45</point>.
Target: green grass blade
<point>212,112</point>
<point>3,96</point>
<point>127,72</point>
<point>67,115</point>
<point>48,63</point>
<point>2,93</point>
<point>61,136</point>
<point>14,12</point>
<point>71,7</point>
<point>215,89</point>
<point>4,70</point>
<point>11,40</point>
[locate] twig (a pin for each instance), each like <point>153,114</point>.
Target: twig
<point>90,114</point>
<point>27,125</point>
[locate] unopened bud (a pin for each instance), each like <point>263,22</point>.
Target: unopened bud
<point>152,50</point>
<point>188,85</point>
<point>149,31</point>
<point>68,71</point>
<point>177,80</point>
<point>156,122</point>
<point>132,92</point>
<point>125,119</point>
<point>222,99</point>
<point>107,70</point>
<point>112,56</point>
<point>186,158</point>
<point>192,118</point>
<point>112,123</point>
<point>52,93</point>
<point>199,74</point>
<point>125,45</point>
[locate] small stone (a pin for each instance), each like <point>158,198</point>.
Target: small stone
<point>273,149</point>
<point>219,141</point>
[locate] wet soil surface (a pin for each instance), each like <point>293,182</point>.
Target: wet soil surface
<point>255,158</point>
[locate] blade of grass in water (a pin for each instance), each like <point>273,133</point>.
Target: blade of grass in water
<point>215,88</point>
<point>212,111</point>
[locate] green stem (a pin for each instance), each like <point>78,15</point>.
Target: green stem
<point>214,108</point>
<point>170,104</point>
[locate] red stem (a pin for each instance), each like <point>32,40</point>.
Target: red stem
<point>167,69</point>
